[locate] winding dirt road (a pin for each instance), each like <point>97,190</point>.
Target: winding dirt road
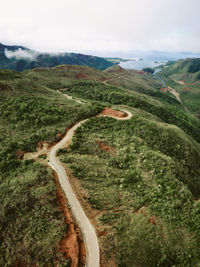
<point>115,78</point>
<point>74,99</point>
<point>177,95</point>
<point>87,229</point>
<point>173,91</point>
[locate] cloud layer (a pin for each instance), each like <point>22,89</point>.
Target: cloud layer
<point>20,54</point>
<point>106,25</point>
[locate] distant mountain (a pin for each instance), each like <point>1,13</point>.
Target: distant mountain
<point>11,47</point>
<point>20,58</point>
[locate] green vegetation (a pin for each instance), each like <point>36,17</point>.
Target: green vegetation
<point>184,77</point>
<point>132,79</point>
<point>48,60</point>
<point>108,94</point>
<point>117,60</point>
<point>149,70</point>
<point>189,65</point>
<point>31,224</point>
<point>144,192</point>
<point>147,190</point>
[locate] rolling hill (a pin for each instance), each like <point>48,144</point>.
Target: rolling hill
<point>184,77</point>
<point>138,180</point>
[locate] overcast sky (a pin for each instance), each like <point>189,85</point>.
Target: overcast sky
<point>101,25</point>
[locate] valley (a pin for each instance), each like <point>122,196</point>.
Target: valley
<point>184,77</point>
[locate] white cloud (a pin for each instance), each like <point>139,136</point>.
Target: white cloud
<point>106,25</point>
<point>20,54</point>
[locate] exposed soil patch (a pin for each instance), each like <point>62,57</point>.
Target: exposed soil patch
<point>118,69</point>
<point>42,150</point>
<point>113,113</point>
<point>181,82</point>
<point>93,214</point>
<point>151,219</point>
<point>83,76</point>
<point>140,72</point>
<point>196,82</point>
<point>103,233</point>
<point>5,87</point>
<point>40,69</point>
<point>20,154</point>
<point>106,147</point>
<point>71,245</point>
<point>163,90</point>
<point>101,79</point>
<point>187,88</point>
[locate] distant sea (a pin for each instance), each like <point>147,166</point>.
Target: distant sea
<point>153,59</point>
<point>140,64</point>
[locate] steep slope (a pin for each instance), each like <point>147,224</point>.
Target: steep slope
<point>20,58</point>
<point>139,193</point>
<point>189,65</point>
<point>184,77</point>
<point>132,79</point>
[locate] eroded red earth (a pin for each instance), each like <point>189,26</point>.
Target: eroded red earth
<point>106,147</point>
<point>71,245</point>
<point>114,113</point>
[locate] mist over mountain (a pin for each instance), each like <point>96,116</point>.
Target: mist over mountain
<point>20,58</point>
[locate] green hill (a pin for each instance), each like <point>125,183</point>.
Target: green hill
<point>184,77</point>
<point>189,65</point>
<point>20,58</point>
<point>142,192</point>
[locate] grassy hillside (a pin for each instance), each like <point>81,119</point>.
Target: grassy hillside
<point>184,76</point>
<point>160,105</point>
<point>143,189</point>
<point>189,65</point>
<point>132,79</point>
<point>31,225</point>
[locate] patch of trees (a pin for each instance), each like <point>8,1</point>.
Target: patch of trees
<point>149,70</point>
<point>31,224</point>
<point>194,65</point>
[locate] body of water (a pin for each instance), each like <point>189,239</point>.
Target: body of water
<point>140,64</point>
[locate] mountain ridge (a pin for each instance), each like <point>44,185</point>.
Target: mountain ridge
<point>20,58</point>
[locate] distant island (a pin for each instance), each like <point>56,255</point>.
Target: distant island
<point>117,60</point>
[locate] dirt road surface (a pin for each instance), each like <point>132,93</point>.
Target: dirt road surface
<point>87,229</point>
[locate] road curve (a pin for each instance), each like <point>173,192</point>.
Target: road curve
<point>88,231</point>
<point>163,83</point>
